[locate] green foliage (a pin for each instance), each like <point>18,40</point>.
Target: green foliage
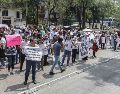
<point>61,11</point>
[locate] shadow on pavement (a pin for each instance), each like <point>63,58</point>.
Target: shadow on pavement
<point>47,76</point>
<point>3,76</point>
<point>18,87</point>
<point>105,73</point>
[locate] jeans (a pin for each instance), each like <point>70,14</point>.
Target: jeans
<point>2,61</point>
<point>115,44</point>
<point>11,60</point>
<point>68,54</point>
<point>22,59</point>
<point>94,54</point>
<point>30,64</point>
<point>45,60</point>
<point>102,45</point>
<point>57,61</point>
<point>40,64</point>
<point>74,52</point>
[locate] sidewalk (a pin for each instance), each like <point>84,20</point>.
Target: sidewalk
<point>13,84</point>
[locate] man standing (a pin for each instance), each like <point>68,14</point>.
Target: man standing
<point>103,41</point>
<point>57,47</point>
<point>67,51</point>
<point>31,59</point>
<point>22,54</point>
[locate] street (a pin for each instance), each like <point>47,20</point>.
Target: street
<point>98,79</point>
<point>102,79</point>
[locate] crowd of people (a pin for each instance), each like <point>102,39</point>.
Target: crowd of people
<point>53,41</point>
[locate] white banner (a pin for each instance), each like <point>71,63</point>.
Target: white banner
<point>33,53</point>
<point>83,49</point>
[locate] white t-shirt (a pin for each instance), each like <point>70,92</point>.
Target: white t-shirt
<point>103,39</point>
<point>52,34</point>
<point>45,51</point>
<point>75,45</point>
<point>68,45</point>
<point>3,41</point>
<point>23,44</point>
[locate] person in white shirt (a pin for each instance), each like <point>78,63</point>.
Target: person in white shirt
<point>31,60</point>
<point>67,50</point>
<point>45,52</point>
<point>74,49</point>
<point>103,41</point>
<point>42,47</point>
<point>118,41</point>
<point>24,43</point>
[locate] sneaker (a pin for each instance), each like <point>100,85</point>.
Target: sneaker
<point>12,73</point>
<point>25,83</point>
<point>34,82</point>
<point>51,73</point>
<point>9,74</point>
<point>62,70</point>
<point>21,70</point>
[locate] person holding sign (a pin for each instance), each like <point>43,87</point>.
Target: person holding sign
<point>33,56</point>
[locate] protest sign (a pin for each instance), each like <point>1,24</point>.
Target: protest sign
<point>83,49</point>
<point>33,53</point>
<point>13,40</point>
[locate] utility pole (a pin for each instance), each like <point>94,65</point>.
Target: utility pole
<point>26,12</point>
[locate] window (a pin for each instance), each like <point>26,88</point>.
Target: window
<point>5,13</point>
<point>17,14</point>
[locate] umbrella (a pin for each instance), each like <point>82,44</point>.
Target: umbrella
<point>3,26</point>
<point>87,30</point>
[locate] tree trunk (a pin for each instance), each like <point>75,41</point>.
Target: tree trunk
<point>102,23</point>
<point>37,15</point>
<point>93,25</point>
<point>79,16</point>
<point>83,15</point>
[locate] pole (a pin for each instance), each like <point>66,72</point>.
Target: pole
<point>26,12</point>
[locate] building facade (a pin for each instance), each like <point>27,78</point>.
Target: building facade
<point>11,16</point>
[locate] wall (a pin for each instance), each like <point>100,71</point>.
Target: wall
<point>12,14</point>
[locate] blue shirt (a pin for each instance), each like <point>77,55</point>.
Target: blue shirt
<point>56,48</point>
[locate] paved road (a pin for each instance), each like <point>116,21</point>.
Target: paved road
<point>102,79</point>
<point>13,84</point>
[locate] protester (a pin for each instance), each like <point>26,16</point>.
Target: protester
<point>2,56</point>
<point>42,47</point>
<point>67,50</point>
<point>51,41</point>
<point>57,48</point>
<point>74,49</point>
<point>30,62</point>
<point>103,41</point>
<point>24,43</point>
<point>11,53</point>
<point>94,48</point>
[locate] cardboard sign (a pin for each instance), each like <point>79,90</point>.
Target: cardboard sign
<point>33,53</point>
<point>13,40</point>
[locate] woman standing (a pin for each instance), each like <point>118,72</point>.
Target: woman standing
<point>74,49</point>
<point>11,53</point>
<point>94,48</point>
